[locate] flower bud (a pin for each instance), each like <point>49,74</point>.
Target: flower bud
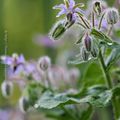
<point>70,20</point>
<point>94,52</point>
<point>23,104</point>
<point>44,63</point>
<point>97,7</point>
<point>87,42</point>
<point>58,30</point>
<point>85,54</point>
<point>112,16</point>
<point>7,88</point>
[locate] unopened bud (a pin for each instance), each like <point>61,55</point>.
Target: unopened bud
<point>7,88</point>
<point>44,63</point>
<point>97,7</point>
<point>112,16</point>
<point>94,52</point>
<point>58,30</point>
<point>23,104</point>
<point>87,42</point>
<point>85,54</point>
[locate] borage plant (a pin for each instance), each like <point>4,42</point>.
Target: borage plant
<point>97,43</point>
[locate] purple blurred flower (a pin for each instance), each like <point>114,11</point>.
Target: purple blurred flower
<point>4,115</point>
<point>14,61</point>
<point>69,8</point>
<point>45,41</point>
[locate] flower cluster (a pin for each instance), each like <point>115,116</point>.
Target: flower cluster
<point>42,73</point>
<point>98,23</point>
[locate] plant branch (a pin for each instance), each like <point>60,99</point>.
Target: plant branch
<point>84,21</point>
<point>110,86</point>
<point>93,19</point>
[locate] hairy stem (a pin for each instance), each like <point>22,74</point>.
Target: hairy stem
<point>110,30</point>
<point>84,21</point>
<point>100,22</point>
<point>110,86</point>
<point>93,19</point>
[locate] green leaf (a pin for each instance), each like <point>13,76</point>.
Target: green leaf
<point>112,58</point>
<point>100,35</point>
<point>93,76</point>
<point>48,100</point>
<point>102,100</point>
<point>96,89</point>
<point>81,61</point>
<point>109,45</point>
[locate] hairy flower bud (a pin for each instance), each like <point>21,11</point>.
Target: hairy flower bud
<point>112,16</point>
<point>94,52</point>
<point>97,7</point>
<point>7,88</point>
<point>23,104</point>
<point>87,42</point>
<point>58,30</point>
<point>85,54</point>
<point>44,63</point>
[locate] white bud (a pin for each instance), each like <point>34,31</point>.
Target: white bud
<point>44,63</point>
<point>112,16</point>
<point>23,104</point>
<point>7,88</point>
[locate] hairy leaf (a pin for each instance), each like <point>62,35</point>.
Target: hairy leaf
<point>100,35</point>
<point>113,57</point>
<point>48,100</point>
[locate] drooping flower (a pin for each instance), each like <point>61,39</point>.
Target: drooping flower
<point>44,63</point>
<point>69,8</point>
<point>112,16</point>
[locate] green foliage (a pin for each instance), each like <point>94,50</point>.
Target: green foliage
<point>113,57</point>
<point>100,35</point>
<point>50,100</point>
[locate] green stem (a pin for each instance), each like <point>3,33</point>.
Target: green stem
<point>82,19</point>
<point>110,29</point>
<point>100,22</point>
<point>110,86</point>
<point>93,19</point>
